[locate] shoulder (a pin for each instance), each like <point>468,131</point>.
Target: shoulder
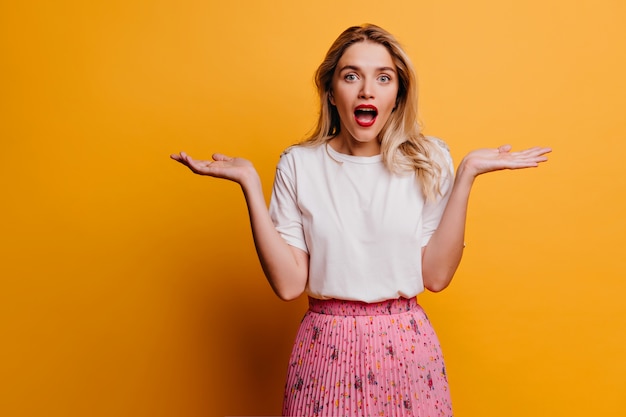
<point>300,154</point>
<point>438,148</point>
<point>303,150</point>
<point>438,143</point>
<point>439,153</point>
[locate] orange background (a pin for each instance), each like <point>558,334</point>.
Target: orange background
<point>130,287</point>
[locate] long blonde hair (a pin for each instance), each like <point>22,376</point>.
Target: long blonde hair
<point>403,146</point>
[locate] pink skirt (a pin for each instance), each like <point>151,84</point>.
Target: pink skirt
<point>358,359</point>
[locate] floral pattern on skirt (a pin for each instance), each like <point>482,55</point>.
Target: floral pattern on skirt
<point>360,359</point>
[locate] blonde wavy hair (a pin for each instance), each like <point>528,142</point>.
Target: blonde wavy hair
<point>403,146</point>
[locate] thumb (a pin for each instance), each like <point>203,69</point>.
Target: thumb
<point>504,148</point>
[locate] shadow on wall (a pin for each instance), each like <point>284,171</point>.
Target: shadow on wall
<point>240,337</point>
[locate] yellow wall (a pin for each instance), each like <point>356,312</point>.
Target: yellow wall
<point>130,287</point>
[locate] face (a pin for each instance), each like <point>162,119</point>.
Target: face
<point>364,91</point>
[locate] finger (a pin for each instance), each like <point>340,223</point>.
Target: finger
<point>543,151</point>
<point>520,164</point>
<point>192,164</point>
<point>504,148</point>
<point>221,157</point>
<point>197,166</point>
<point>528,161</point>
<point>532,152</point>
<point>539,149</point>
<point>197,163</point>
<point>528,151</point>
<point>181,157</point>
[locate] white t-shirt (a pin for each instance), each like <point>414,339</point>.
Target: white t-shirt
<point>362,226</point>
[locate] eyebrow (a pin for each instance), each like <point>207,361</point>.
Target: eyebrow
<point>355,68</point>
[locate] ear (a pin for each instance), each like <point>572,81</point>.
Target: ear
<point>331,97</point>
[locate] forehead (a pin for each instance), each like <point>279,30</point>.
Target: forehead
<point>366,54</point>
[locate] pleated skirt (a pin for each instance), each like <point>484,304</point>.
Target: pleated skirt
<point>359,359</point>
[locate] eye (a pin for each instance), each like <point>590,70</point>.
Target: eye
<point>350,77</point>
<point>384,78</point>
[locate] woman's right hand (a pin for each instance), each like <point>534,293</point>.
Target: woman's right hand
<point>222,166</point>
<point>286,267</point>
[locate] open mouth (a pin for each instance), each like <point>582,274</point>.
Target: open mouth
<point>365,115</point>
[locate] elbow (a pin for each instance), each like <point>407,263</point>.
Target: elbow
<point>437,282</point>
<point>287,286</point>
<point>437,276</point>
<point>289,292</point>
<point>288,295</point>
<point>437,286</point>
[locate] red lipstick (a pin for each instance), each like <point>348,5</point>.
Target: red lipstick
<point>365,115</point>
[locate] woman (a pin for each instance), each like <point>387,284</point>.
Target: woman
<point>364,215</point>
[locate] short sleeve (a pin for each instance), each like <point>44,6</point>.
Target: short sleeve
<point>284,210</point>
<point>433,209</point>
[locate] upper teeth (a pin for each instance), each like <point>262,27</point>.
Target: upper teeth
<point>365,109</point>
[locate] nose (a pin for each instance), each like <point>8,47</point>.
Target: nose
<point>367,89</point>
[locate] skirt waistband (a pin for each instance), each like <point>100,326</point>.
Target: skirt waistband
<point>359,308</point>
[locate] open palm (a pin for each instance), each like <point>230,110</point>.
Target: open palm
<point>482,161</point>
<point>222,166</point>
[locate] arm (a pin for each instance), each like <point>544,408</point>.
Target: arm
<point>285,267</point>
<point>442,255</point>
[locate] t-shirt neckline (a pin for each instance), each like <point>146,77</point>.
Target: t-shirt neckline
<point>342,157</point>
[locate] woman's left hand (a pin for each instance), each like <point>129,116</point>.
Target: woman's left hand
<point>482,161</point>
